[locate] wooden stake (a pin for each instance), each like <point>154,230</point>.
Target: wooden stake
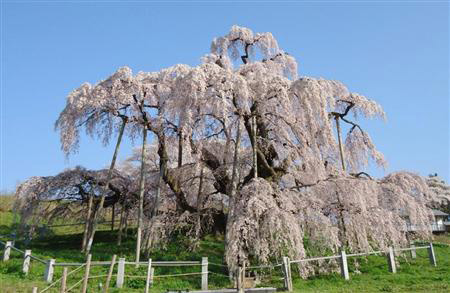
<point>86,274</point>
<point>391,261</point>
<point>48,275</point>
<point>63,281</point>
<point>341,148</point>
<point>7,251</point>
<point>431,255</point>
<point>110,272</point>
<point>26,261</point>
<point>104,191</point>
<point>149,273</point>
<point>120,273</point>
<point>141,197</point>
<point>344,266</point>
<point>204,273</point>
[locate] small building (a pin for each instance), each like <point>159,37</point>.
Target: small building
<point>441,221</point>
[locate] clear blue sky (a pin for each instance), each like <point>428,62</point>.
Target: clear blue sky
<point>394,52</point>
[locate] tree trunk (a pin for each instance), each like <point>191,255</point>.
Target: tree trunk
<point>141,197</point>
<point>199,204</point>
<point>108,179</point>
<point>125,228</point>
<point>235,161</point>
<point>121,224</point>
<point>255,147</point>
<point>341,149</point>
<point>87,223</point>
<point>180,148</point>
<point>113,216</point>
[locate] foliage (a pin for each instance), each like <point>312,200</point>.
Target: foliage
<point>283,179</point>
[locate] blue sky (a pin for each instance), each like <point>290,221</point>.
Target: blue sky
<point>395,52</point>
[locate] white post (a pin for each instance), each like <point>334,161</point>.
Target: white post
<point>287,273</point>
<point>344,266</point>
<point>413,250</point>
<point>26,261</point>
<point>120,273</point>
<point>431,255</point>
<point>7,251</point>
<point>48,276</point>
<point>204,273</point>
<point>149,272</point>
<point>152,274</point>
<point>35,290</point>
<point>391,260</point>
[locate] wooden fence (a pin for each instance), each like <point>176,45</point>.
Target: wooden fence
<point>149,277</point>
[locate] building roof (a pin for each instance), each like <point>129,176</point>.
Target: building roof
<point>439,213</point>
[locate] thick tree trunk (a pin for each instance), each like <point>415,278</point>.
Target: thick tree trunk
<point>141,197</point>
<point>255,148</point>
<point>199,204</point>
<point>108,179</point>
<point>87,222</point>
<point>341,148</point>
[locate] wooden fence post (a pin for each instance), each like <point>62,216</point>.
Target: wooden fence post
<point>149,273</point>
<point>413,250</point>
<point>35,290</point>
<point>110,272</point>
<point>240,280</point>
<point>63,281</point>
<point>152,274</point>
<point>48,275</point>
<point>431,255</point>
<point>26,261</point>
<point>287,273</point>
<point>120,273</point>
<point>344,266</point>
<point>204,273</point>
<point>86,274</point>
<point>7,251</point>
<point>391,260</point>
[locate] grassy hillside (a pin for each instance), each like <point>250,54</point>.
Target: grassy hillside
<point>371,275</point>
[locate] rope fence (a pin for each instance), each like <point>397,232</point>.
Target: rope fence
<point>203,264</point>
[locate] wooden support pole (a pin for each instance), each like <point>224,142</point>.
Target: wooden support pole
<point>391,260</point>
<point>287,273</point>
<point>413,250</point>
<point>26,261</point>
<point>120,273</point>
<point>239,280</point>
<point>204,273</point>
<point>431,255</point>
<point>35,290</point>
<point>113,216</point>
<point>48,275</point>
<point>63,281</point>
<point>152,274</point>
<point>149,273</point>
<point>110,272</point>
<point>7,251</point>
<point>86,274</point>
<point>344,266</point>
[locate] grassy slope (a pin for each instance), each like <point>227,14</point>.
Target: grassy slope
<point>413,275</point>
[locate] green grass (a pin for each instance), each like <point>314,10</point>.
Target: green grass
<point>63,244</point>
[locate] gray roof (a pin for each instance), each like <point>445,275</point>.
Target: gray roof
<point>439,213</point>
